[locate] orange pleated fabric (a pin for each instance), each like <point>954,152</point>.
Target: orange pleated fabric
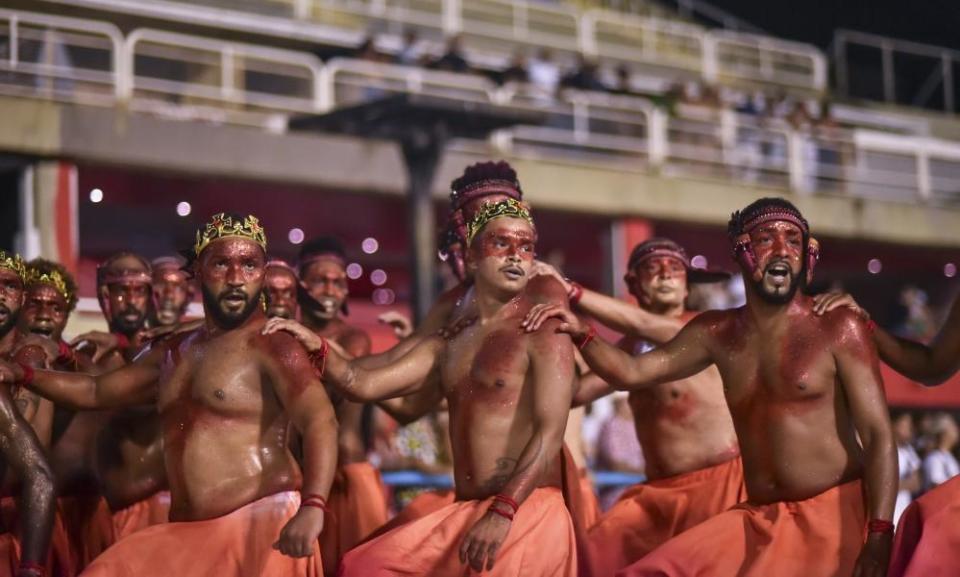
<point>358,506</point>
<point>151,511</point>
<point>818,537</point>
<point>421,506</point>
<point>649,514</point>
<point>60,558</point>
<point>239,544</point>
<point>540,543</point>
<point>89,525</point>
<point>927,543</point>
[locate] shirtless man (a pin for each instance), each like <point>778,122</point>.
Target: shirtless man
<point>801,388</point>
<point>689,443</point>
<point>226,395</point>
<point>280,288</point>
<point>926,541</point>
<point>172,291</point>
<point>358,499</point>
<point>508,396</point>
<point>25,468</point>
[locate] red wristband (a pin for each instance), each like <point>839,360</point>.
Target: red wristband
<point>507,501</point>
<point>27,378</point>
<point>504,514</point>
<point>314,501</point>
<point>879,526</point>
<point>575,293</point>
<point>583,341</point>
<point>122,341</point>
<point>65,355</point>
<point>318,358</point>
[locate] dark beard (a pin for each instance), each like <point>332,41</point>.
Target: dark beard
<point>224,320</point>
<point>799,282</point>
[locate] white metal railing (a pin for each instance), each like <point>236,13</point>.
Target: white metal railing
<point>58,57</point>
<point>885,49</point>
<point>168,68</point>
<point>248,83</point>
<point>503,25</point>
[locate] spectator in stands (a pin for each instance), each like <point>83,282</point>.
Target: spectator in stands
<point>368,51</point>
<point>941,465</point>
<point>410,53</point>
<point>910,464</point>
<point>516,70</point>
<point>831,149</point>
<point>919,324</point>
<point>618,448</point>
<point>452,59</point>
<point>624,81</point>
<point>584,77</point>
<point>544,73</point>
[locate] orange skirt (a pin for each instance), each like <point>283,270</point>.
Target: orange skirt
<point>818,537</point>
<point>649,514</point>
<point>239,544</point>
<point>59,559</point>
<point>421,506</point>
<point>358,506</point>
<point>89,525</point>
<point>928,539</point>
<point>540,543</point>
<point>151,511</point>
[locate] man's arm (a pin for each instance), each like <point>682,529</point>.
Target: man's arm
<point>859,371</point>
<point>931,365</point>
<point>410,408</point>
<point>684,356</point>
<point>349,414</point>
<point>407,375</point>
<point>551,378</point>
<point>131,385</point>
<point>617,314</point>
<point>303,397</point>
<point>35,503</point>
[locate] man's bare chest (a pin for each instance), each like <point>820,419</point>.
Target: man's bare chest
<point>485,360</point>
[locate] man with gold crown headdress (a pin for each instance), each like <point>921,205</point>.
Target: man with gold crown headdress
<point>226,395</point>
<point>23,546</point>
<point>508,394</point>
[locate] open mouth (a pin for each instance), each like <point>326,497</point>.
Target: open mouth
<point>512,272</point>
<point>234,299</point>
<point>778,273</point>
<point>327,304</point>
<point>42,331</point>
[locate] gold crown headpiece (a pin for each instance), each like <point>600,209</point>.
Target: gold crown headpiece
<point>13,262</point>
<point>53,278</point>
<point>223,225</point>
<point>508,207</point>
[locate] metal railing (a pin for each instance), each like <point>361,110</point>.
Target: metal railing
<point>188,76</point>
<point>59,58</point>
<point>863,81</point>
<point>500,26</point>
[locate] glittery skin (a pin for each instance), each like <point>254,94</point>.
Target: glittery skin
<point>326,282</point>
<point>280,288</point>
<point>172,292</point>
<point>126,304</point>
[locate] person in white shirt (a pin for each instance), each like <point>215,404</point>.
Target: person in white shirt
<point>910,464</point>
<point>940,465</point>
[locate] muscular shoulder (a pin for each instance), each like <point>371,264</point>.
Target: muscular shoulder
<point>355,341</point>
<point>846,328</point>
<point>545,289</point>
<point>282,347</point>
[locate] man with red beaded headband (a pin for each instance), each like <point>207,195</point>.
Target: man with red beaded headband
<point>689,443</point>
<point>25,538</point>
<point>358,501</point>
<point>280,289</point>
<point>172,291</point>
<point>508,394</point>
<point>807,402</point>
<point>226,395</point>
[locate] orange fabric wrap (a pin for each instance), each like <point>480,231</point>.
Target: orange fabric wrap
<point>89,525</point>
<point>239,544</point>
<point>59,559</point>
<point>151,511</point>
<point>928,538</point>
<point>817,537</point>
<point>358,506</point>
<point>421,506</point>
<point>649,514</point>
<point>540,543</point>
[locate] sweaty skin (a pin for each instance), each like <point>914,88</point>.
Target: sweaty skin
<point>280,288</point>
<point>30,478</point>
<point>682,425</point>
<point>226,396</point>
<point>790,377</point>
<point>172,293</point>
<point>508,392</point>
